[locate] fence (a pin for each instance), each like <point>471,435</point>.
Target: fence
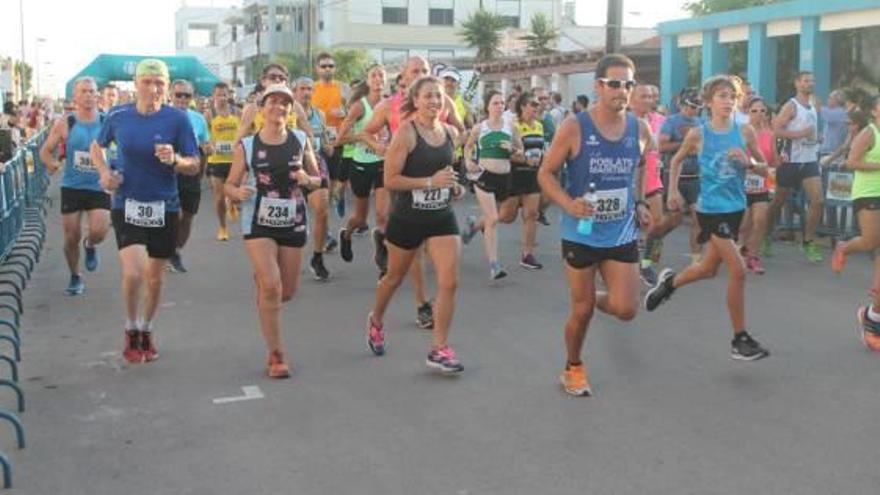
<point>23,184</point>
<point>838,221</point>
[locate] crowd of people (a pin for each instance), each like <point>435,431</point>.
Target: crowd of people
<point>623,171</point>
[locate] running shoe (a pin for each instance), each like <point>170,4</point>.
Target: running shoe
<point>132,352</point>
<point>496,272</point>
<point>381,251</point>
<point>232,209</point>
<point>575,381</point>
<point>222,234</point>
<point>813,252</point>
<point>148,347</point>
<point>649,276</point>
<point>542,218</point>
<point>869,330</point>
<point>375,336</point>
<point>175,263</point>
<point>767,247</point>
<point>330,244</point>
<point>660,292</point>
<point>528,261</point>
<point>470,229</point>
<point>345,246</point>
<point>92,260</point>
<point>838,258</point>
<point>754,265</point>
<point>340,206</point>
<point>425,316</point>
<point>444,360</point>
<point>744,348</point>
<point>276,367</point>
<point>318,269</point>
<point>76,286</point>
<point>362,230</point>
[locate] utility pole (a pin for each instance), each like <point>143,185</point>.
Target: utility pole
<point>309,35</point>
<point>614,25</point>
<point>22,66</point>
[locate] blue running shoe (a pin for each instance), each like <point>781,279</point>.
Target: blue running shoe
<point>76,285</point>
<point>92,260</point>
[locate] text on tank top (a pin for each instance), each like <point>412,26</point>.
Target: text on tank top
<point>424,161</point>
<point>278,205</point>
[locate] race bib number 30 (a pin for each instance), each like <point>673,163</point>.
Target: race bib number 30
<point>430,199</point>
<point>82,162</point>
<point>610,205</point>
<point>145,213</point>
<point>276,212</point>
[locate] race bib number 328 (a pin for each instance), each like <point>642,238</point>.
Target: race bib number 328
<point>145,213</point>
<point>611,205</point>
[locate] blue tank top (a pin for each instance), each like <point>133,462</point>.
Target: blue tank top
<point>79,173</point>
<point>612,166</point>
<point>722,181</point>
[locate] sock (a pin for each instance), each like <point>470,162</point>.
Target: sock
<point>495,265</point>
<point>87,244</point>
<point>146,326</point>
<point>569,364</point>
<point>646,262</point>
<point>872,314</point>
<point>130,324</point>
<point>695,258</point>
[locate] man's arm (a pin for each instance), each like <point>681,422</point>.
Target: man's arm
<point>47,152</point>
<point>785,116</point>
<point>563,147</point>
<point>379,119</point>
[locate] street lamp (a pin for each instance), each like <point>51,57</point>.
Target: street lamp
<point>37,55</point>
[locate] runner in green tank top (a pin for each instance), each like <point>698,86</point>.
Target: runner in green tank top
<point>864,158</point>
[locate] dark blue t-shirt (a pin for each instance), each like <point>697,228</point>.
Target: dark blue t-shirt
<point>135,135</point>
<point>677,127</point>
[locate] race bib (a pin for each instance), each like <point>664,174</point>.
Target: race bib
<point>82,162</point>
<point>610,205</point>
<point>224,147</point>
<point>276,212</point>
<point>430,199</point>
<point>332,133</point>
<point>534,156</point>
<point>754,184</point>
<point>145,213</point>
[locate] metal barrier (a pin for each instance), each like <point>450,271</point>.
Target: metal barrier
<point>23,207</point>
<point>838,221</point>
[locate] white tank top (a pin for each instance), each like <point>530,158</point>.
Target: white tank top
<point>803,150</point>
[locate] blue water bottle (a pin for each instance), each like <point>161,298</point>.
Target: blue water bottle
<point>585,225</point>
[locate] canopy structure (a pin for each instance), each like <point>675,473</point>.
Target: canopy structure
<point>106,68</point>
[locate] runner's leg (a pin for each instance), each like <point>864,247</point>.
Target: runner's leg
<point>445,252</point>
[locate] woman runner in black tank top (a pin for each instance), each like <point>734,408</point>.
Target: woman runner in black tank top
<point>419,174</point>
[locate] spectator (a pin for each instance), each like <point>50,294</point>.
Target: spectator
<point>557,111</point>
<point>581,103</point>
<point>834,128</point>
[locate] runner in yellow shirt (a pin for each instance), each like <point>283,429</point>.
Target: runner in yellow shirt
<point>224,126</point>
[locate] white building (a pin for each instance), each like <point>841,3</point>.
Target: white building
<point>202,32</point>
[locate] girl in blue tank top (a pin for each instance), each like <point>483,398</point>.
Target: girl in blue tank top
<point>721,146</point>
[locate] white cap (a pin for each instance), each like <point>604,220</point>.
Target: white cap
<point>276,89</point>
<point>451,73</point>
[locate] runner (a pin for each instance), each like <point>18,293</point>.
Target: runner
<point>155,141</point>
<point>418,168</point>
<point>602,148</point>
<point>318,198</point>
<point>224,129</point>
<point>494,142</point>
<point>269,170</point>
<point>367,168</point>
<point>757,193</point>
<point>722,145</point>
<point>252,118</point>
<point>548,127</point>
<point>189,187</point>
<point>864,158</point>
<point>672,134</point>
<point>797,123</point>
<point>329,97</point>
<point>109,97</point>
<point>81,192</point>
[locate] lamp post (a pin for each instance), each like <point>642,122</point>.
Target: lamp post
<point>21,26</point>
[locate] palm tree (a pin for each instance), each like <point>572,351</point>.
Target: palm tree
<point>541,36</point>
<point>482,30</point>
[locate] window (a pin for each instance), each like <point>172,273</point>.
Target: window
<point>395,11</point>
<point>510,11</point>
<point>393,57</point>
<point>441,12</point>
<point>440,55</point>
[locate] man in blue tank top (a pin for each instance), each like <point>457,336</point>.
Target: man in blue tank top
<point>155,141</point>
<point>603,205</point>
<point>80,190</point>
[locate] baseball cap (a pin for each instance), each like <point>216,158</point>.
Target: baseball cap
<point>152,67</point>
<point>691,97</point>
<point>275,89</point>
<point>451,73</point>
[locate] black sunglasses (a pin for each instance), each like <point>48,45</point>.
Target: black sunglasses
<point>183,95</point>
<point>617,83</point>
<point>327,66</point>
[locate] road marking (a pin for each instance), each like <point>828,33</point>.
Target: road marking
<point>251,392</point>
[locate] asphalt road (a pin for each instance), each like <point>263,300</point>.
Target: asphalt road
<point>673,414</point>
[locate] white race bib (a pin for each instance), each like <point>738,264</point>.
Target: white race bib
<point>82,162</point>
<point>145,213</point>
<point>224,147</point>
<point>332,133</point>
<point>610,205</point>
<point>430,199</point>
<point>754,184</point>
<point>276,212</point>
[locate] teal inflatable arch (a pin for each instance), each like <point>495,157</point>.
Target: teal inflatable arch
<point>106,68</point>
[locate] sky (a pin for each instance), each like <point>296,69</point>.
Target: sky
<point>75,31</point>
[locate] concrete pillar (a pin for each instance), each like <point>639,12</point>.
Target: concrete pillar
<point>559,83</point>
<point>673,68</point>
<point>537,80</point>
<point>815,54</point>
<point>481,90</point>
<point>762,62</point>
<point>714,55</point>
<point>505,86</point>
<point>271,38</point>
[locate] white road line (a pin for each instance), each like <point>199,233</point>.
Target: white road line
<point>251,392</point>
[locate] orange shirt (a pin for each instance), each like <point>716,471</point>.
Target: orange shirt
<point>327,97</point>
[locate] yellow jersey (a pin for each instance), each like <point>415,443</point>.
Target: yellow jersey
<point>223,133</point>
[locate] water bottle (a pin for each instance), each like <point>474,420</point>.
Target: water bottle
<point>585,225</point>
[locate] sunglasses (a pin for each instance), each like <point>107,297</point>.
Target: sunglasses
<point>327,66</point>
<point>695,106</point>
<point>183,95</point>
<point>276,77</point>
<point>617,83</point>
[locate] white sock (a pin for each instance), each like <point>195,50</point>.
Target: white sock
<point>146,326</point>
<point>131,324</point>
<point>873,315</point>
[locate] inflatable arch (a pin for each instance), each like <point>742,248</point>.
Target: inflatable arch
<point>106,68</point>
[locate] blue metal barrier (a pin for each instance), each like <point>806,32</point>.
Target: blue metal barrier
<point>838,221</point>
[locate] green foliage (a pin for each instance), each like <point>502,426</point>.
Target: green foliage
<point>482,30</point>
<point>26,73</point>
<point>542,35</point>
<point>351,63</point>
<point>703,7</point>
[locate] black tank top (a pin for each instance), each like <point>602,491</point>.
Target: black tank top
<point>274,168</point>
<point>424,161</point>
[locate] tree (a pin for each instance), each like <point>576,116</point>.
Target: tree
<point>351,63</point>
<point>703,7</point>
<point>482,30</point>
<point>25,72</point>
<point>542,35</point>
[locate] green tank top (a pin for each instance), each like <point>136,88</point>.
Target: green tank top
<point>362,152</point>
<point>347,150</point>
<point>866,183</point>
<point>490,141</point>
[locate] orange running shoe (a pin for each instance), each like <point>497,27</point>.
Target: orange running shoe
<point>838,258</point>
<point>222,234</point>
<point>277,368</point>
<point>575,382</point>
<point>232,209</point>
